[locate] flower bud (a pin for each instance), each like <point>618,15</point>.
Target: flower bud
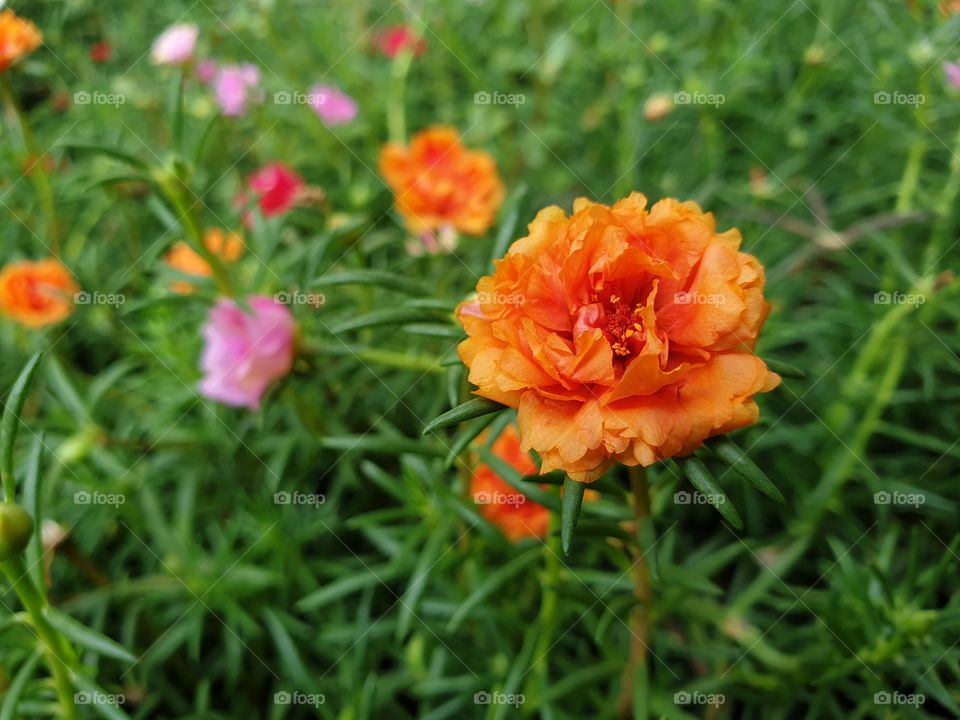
<point>16,526</point>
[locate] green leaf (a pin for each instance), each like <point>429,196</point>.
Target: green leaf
<point>87,638</point>
<point>286,649</point>
<point>466,436</point>
<point>785,369</point>
<point>702,479</point>
<point>32,487</point>
<point>346,586</point>
<point>11,698</point>
<point>505,235</point>
<point>570,505</point>
<point>375,278</point>
<point>89,688</point>
<point>389,444</point>
<point>731,454</point>
<point>104,150</point>
<point>475,407</point>
<point>11,423</point>
<point>386,316</point>
<point>489,585</point>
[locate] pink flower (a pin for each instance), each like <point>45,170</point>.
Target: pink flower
<point>953,73</point>
<point>332,105</point>
<point>245,353</point>
<point>276,187</point>
<point>207,70</point>
<point>394,40</point>
<point>175,45</point>
<point>235,87</point>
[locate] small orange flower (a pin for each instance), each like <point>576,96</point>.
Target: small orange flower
<point>438,182</point>
<point>620,334</point>
<point>186,260</point>
<point>501,503</point>
<point>18,37</point>
<point>36,294</point>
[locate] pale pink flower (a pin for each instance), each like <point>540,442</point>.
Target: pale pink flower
<point>235,87</point>
<point>332,105</point>
<point>245,353</point>
<point>953,73</point>
<point>175,45</point>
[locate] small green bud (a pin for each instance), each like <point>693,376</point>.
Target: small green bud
<point>16,526</point>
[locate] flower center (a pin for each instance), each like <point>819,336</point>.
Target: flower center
<point>622,324</point>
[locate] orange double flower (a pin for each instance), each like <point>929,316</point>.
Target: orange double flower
<point>620,334</point>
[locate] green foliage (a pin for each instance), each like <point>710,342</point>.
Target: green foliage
<point>217,562</point>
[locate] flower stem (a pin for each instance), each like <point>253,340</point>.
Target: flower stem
<point>396,110</point>
<point>170,187</point>
<point>61,659</point>
<point>34,167</point>
<point>640,616</point>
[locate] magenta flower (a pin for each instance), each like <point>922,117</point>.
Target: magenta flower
<point>332,105</point>
<point>245,353</point>
<point>175,45</point>
<point>953,73</point>
<point>207,71</point>
<point>235,87</point>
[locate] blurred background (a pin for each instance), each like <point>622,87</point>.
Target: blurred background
<point>825,131</point>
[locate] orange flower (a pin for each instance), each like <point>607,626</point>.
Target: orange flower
<point>37,293</point>
<point>185,259</point>
<point>438,182</point>
<point>620,334</point>
<point>501,503</point>
<point>18,37</point>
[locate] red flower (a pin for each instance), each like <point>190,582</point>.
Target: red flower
<point>276,188</point>
<point>100,52</point>
<point>394,40</point>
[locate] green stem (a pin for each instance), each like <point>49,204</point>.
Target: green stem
<point>640,615</point>
<point>61,659</point>
<point>548,609</point>
<point>36,171</point>
<point>396,110</point>
<point>170,187</point>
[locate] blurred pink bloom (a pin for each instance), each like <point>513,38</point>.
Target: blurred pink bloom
<point>245,353</point>
<point>276,187</point>
<point>235,86</point>
<point>953,73</point>
<point>207,70</point>
<point>175,45</point>
<point>332,105</point>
